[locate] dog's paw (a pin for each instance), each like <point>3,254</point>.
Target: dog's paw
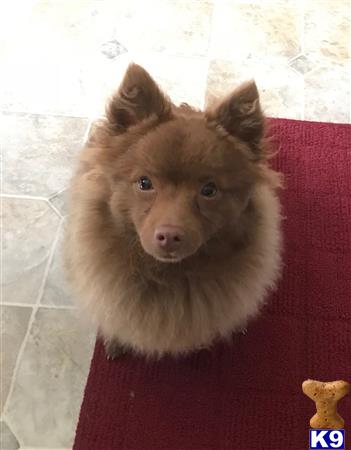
<point>114,350</point>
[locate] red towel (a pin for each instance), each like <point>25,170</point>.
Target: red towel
<point>247,396</point>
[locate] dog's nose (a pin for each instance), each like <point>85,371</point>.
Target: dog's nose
<point>169,238</point>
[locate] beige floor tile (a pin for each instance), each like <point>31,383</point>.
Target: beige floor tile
<point>60,202</point>
<point>183,79</point>
<point>7,439</point>
<point>39,152</point>
<point>327,30</point>
<point>281,89</point>
<point>30,227</point>
<point>178,27</point>
<point>13,327</point>
<point>56,290</point>
<point>256,30</point>
<point>44,405</point>
<point>327,94</point>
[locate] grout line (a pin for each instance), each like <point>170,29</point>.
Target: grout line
<point>48,264</point>
<point>57,193</point>
<point>49,199</point>
<point>43,113</point>
<point>42,305</point>
<point>35,308</point>
<point>35,198</point>
<point>86,134</point>
<point>53,207</point>
<point>24,197</point>
<point>18,359</point>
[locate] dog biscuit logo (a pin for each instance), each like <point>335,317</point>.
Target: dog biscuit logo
<point>327,425</point>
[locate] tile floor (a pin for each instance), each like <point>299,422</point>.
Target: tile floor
<point>59,60</point>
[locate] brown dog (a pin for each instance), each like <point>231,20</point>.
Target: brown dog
<point>174,230</point>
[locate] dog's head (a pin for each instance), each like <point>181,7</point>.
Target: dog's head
<point>181,177</point>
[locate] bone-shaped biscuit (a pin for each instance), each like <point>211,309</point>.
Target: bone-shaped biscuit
<point>326,397</point>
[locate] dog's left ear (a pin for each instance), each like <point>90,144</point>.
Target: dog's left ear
<point>240,114</point>
<point>137,98</point>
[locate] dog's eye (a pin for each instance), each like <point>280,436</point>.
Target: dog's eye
<point>144,184</point>
<point>209,190</point>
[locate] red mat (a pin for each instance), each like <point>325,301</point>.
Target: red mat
<point>247,396</point>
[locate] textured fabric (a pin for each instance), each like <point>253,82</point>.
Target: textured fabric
<point>247,396</point>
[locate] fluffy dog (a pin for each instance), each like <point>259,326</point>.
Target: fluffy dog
<point>173,236</point>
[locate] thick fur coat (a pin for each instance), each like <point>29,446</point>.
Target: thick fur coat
<point>173,236</point>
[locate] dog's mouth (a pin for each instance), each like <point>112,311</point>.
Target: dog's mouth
<point>169,258</point>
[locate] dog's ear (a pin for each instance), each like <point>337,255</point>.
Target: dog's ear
<point>137,98</point>
<point>240,114</point>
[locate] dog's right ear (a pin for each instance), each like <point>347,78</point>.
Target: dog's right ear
<point>240,114</point>
<point>137,98</point>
